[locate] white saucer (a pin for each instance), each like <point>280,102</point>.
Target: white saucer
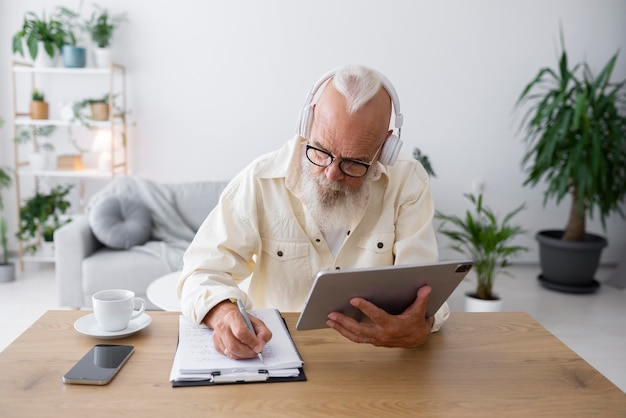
<point>89,326</point>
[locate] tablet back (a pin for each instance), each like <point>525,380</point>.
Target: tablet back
<point>392,288</point>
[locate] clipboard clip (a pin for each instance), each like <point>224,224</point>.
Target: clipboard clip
<point>240,377</point>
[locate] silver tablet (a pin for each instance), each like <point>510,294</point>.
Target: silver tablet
<point>392,288</point>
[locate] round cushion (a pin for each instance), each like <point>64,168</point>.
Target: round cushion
<point>121,222</point>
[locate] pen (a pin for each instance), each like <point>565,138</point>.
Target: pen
<point>242,309</point>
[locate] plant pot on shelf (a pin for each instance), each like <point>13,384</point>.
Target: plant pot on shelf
<point>99,111</point>
<point>42,160</point>
<point>102,57</point>
<point>74,56</point>
<point>43,59</point>
<point>7,272</point>
<point>46,249</point>
<point>37,161</point>
<point>38,109</point>
<point>569,266</point>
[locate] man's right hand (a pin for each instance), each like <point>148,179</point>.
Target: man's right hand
<point>231,335</point>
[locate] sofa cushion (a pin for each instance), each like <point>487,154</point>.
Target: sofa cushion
<point>121,222</point>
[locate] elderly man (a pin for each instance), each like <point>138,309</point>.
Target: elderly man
<point>333,197</point>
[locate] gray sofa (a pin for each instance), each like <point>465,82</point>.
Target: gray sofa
<point>85,265</point>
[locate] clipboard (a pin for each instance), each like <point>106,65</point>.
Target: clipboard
<point>294,372</point>
<point>263,377</point>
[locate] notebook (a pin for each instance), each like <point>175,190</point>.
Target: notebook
<point>197,362</point>
<point>392,288</point>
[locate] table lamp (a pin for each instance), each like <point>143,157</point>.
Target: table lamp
<point>102,144</point>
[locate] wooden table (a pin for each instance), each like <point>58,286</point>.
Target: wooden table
<point>479,364</point>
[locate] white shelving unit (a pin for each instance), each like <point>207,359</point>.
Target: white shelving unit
<point>113,80</point>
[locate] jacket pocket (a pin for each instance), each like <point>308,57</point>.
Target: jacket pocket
<point>284,251</point>
<point>378,243</point>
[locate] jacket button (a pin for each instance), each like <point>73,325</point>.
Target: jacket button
<point>380,245</point>
<point>348,232</point>
<point>337,268</point>
<point>279,253</point>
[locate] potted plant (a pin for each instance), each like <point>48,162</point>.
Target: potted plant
<point>42,212</point>
<point>7,269</point>
<point>74,56</point>
<point>423,159</point>
<point>99,110</point>
<point>576,136</point>
<point>39,155</point>
<point>100,27</point>
<point>38,106</point>
<point>481,237</point>
<point>44,39</point>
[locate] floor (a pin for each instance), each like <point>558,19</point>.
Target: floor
<point>594,326</point>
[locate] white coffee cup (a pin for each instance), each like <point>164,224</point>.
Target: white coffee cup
<point>115,308</point>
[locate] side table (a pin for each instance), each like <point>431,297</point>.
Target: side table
<point>162,292</point>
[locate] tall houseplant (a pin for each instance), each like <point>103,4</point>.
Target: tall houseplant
<point>576,136</point>
<point>481,237</point>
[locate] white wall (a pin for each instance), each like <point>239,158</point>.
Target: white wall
<point>212,84</point>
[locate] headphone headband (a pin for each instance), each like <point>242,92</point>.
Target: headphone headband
<point>390,150</point>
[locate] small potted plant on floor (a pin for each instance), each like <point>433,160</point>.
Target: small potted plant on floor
<point>7,269</point>
<point>100,27</point>
<point>38,106</point>
<point>42,213</point>
<point>575,130</point>
<point>481,237</point>
<point>44,39</point>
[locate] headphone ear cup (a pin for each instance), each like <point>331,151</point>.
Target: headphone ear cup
<point>306,118</point>
<point>391,149</point>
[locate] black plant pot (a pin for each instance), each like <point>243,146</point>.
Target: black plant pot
<point>569,266</point>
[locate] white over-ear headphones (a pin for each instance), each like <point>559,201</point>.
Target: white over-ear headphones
<point>391,148</point>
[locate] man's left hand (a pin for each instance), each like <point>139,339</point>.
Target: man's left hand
<point>411,328</point>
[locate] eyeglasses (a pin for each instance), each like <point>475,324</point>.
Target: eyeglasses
<point>348,166</point>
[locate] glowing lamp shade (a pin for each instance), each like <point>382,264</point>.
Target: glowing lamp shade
<point>102,145</point>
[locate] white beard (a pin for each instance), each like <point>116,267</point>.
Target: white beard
<point>332,205</point>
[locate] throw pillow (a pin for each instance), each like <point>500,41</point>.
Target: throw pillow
<point>121,222</point>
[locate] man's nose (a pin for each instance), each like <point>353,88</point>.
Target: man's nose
<point>333,173</point>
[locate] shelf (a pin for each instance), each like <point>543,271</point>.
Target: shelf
<point>38,259</point>
<point>26,68</point>
<point>26,121</point>
<point>114,79</point>
<point>68,173</point>
<point>39,256</point>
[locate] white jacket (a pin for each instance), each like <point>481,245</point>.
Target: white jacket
<point>260,229</point>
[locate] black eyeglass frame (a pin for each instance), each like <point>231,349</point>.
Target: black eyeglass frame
<point>341,161</point>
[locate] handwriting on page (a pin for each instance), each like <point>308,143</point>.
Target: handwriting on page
<point>199,341</point>
<point>199,355</point>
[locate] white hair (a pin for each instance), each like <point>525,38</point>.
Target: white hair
<point>357,84</point>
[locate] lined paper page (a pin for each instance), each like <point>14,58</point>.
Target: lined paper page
<point>197,354</point>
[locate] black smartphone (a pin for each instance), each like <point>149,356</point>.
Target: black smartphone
<point>99,365</point>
